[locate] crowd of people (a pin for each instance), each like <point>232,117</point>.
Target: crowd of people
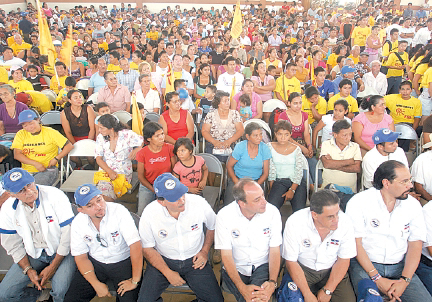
<point>303,107</point>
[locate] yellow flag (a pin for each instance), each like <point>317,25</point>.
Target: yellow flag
<point>46,45</point>
<point>237,25</point>
<point>137,121</point>
<point>312,72</point>
<point>66,51</point>
<point>169,79</point>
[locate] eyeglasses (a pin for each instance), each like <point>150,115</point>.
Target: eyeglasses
<point>405,181</point>
<point>102,241</point>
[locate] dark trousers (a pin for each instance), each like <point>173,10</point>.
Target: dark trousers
<point>258,277</point>
<point>202,282</point>
<point>393,85</point>
<point>81,290</point>
<point>281,186</point>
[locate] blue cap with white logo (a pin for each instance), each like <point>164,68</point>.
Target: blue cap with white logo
<point>169,187</point>
<point>368,291</point>
<point>16,179</point>
<point>85,193</point>
<point>385,135</point>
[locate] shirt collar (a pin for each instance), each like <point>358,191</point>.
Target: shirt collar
<point>333,142</point>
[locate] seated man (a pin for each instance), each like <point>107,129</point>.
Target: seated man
<point>341,158</point>
<point>318,245</point>
<point>345,94</point>
<point>347,72</point>
<point>106,246</point>
<point>389,230</point>
<point>422,172</point>
<point>35,231</point>
<point>174,244</point>
<point>249,235</point>
<point>386,148</point>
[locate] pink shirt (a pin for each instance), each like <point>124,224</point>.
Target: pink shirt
<point>255,99</point>
<point>190,176</point>
<point>116,101</point>
<point>369,128</point>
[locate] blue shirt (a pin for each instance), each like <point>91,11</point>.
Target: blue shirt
<point>326,88</point>
<point>420,14</point>
<point>353,89</point>
<point>97,82</point>
<point>247,167</point>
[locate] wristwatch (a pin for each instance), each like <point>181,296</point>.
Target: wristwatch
<point>291,189</point>
<point>406,279</point>
<point>29,267</point>
<point>272,281</point>
<point>327,292</point>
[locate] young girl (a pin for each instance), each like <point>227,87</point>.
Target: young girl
<point>327,121</point>
<point>245,108</point>
<point>190,169</point>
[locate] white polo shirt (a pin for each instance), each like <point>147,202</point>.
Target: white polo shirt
<point>373,159</point>
<point>427,214</point>
<point>249,240</point>
<point>302,242</point>
<point>177,239</point>
<point>226,82</point>
<point>422,172</point>
<point>385,235</point>
<point>117,230</point>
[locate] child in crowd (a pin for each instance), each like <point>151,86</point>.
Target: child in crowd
<point>186,101</point>
<point>326,123</point>
<point>272,71</point>
<point>143,115</point>
<point>62,99</point>
<point>190,169</point>
<point>100,108</point>
<point>206,102</point>
<point>245,108</point>
<point>35,78</point>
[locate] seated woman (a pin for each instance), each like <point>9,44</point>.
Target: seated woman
<point>10,110</point>
<point>222,127</point>
<point>286,170</point>
<point>158,157</point>
<point>116,147</point>
<point>18,82</point>
<point>175,121</point>
<point>256,103</point>
<point>37,148</point>
<point>264,84</point>
<point>250,158</point>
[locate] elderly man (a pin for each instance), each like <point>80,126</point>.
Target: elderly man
<point>35,231</point>
<point>318,245</point>
<point>174,243</point>
<point>422,174</point>
<point>106,246</point>
<point>179,73</point>
<point>389,230</point>
<point>115,95</point>
<point>97,80</point>
<point>386,148</point>
<point>20,47</point>
<point>127,77</point>
<point>376,79</point>
<point>249,235</point>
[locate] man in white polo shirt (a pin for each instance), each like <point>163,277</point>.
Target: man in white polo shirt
<point>249,235</point>
<point>389,230</point>
<point>421,171</point>
<point>318,245</point>
<point>386,148</point>
<point>174,244</point>
<point>230,81</point>
<point>106,246</point>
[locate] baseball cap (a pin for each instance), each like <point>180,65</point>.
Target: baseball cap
<point>23,97</point>
<point>85,193</point>
<point>347,69</point>
<point>16,179</point>
<point>364,54</point>
<point>57,43</point>
<point>169,187</point>
<point>384,135</point>
<point>27,116</point>
<point>368,291</point>
<point>15,68</point>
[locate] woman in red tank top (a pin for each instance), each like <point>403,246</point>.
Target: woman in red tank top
<point>176,122</point>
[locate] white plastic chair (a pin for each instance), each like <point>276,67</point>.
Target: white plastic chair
<point>93,98</point>
<point>51,95</point>
<point>408,132</point>
<point>213,194</point>
<point>50,118</point>
<point>272,104</point>
<point>153,116</point>
<point>123,116</point>
<point>263,124</point>
<point>83,84</point>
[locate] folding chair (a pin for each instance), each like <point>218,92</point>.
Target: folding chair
<point>50,94</point>
<point>319,166</point>
<point>123,116</point>
<point>213,194</point>
<point>93,98</point>
<point>272,104</point>
<point>408,132</point>
<point>50,118</point>
<point>196,139</point>
<point>153,116</point>
<point>263,124</point>
<point>83,84</point>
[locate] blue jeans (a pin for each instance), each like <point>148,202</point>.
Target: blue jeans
<point>14,288</point>
<point>393,85</point>
<point>145,196</point>
<point>280,187</point>
<point>415,291</point>
<point>425,274</point>
<point>202,282</point>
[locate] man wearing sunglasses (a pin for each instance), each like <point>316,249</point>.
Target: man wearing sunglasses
<point>106,245</point>
<point>35,231</point>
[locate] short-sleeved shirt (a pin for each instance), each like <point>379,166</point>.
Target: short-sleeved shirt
<point>352,103</point>
<point>403,111</point>
<point>247,167</point>
<point>369,128</point>
<point>156,163</point>
<point>427,214</point>
<point>325,89</point>
<point>421,171</point>
<point>307,107</point>
<point>427,78</point>
<point>291,85</point>
<point>302,242</point>
<point>40,101</point>
<point>11,124</point>
<point>393,60</point>
<point>190,176</point>
<point>97,82</point>
<point>360,34</point>
<point>21,86</point>
<point>42,147</point>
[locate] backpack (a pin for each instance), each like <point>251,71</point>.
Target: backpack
<point>274,118</point>
<point>384,69</point>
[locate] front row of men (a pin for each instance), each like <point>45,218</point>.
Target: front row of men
<point>376,245</point>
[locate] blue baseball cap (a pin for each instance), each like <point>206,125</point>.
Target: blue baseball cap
<point>368,291</point>
<point>16,179</point>
<point>385,135</point>
<point>183,94</point>
<point>27,116</point>
<point>85,193</point>
<point>347,69</point>
<point>169,187</point>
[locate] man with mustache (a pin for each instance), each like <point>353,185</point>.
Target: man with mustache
<point>389,228</point>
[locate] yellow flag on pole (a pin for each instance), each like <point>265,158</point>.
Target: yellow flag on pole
<point>237,25</point>
<point>67,49</point>
<point>46,45</point>
<point>137,121</point>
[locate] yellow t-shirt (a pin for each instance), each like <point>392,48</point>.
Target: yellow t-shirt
<point>352,103</point>
<point>393,60</point>
<point>275,63</point>
<point>291,85</point>
<point>332,60</point>
<point>385,49</point>
<point>356,60</point>
<point>40,102</point>
<point>306,107</point>
<point>10,41</point>
<point>41,147</point>
<point>21,86</point>
<point>48,68</point>
<point>371,21</point>
<point>382,34</point>
<point>104,46</point>
<point>18,48</point>
<point>152,35</point>
<point>4,77</point>
<point>114,68</point>
<point>426,79</point>
<point>360,34</point>
<point>133,66</point>
<point>60,96</point>
<point>54,86</point>
<point>403,111</point>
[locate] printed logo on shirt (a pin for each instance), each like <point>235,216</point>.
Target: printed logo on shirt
<point>306,243</point>
<point>49,219</point>
<point>267,231</point>
<point>375,223</point>
<point>162,234</point>
<point>194,227</point>
<point>15,176</point>
<point>334,241</point>
<point>235,233</point>
<point>407,227</point>
<point>88,238</point>
<point>373,292</point>
<point>115,234</point>
<point>292,286</point>
<point>159,159</point>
